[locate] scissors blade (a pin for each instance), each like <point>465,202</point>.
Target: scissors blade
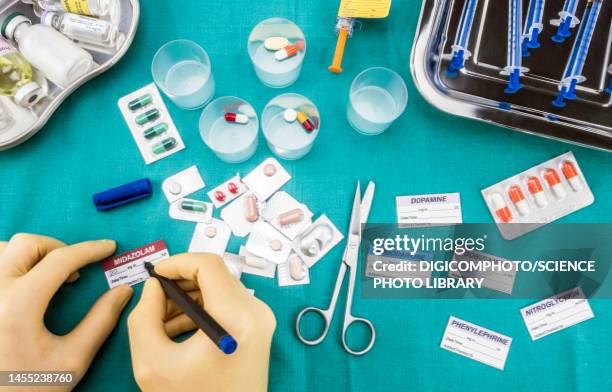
<point>355,227</point>
<point>366,202</point>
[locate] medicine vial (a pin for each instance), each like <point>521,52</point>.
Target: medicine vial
<point>16,76</point>
<point>81,7</point>
<point>48,50</point>
<point>518,198</point>
<point>96,32</point>
<point>500,207</point>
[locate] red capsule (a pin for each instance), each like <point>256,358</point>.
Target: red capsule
<point>551,177</point>
<point>232,188</point>
<point>220,196</point>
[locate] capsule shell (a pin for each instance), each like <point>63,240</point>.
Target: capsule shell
<point>305,121</point>
<point>571,174</point>
<point>155,130</point>
<point>232,188</point>
<point>140,102</point>
<point>193,206</point>
<point>220,196</point>
<point>252,214</point>
<point>537,191</point>
<point>147,117</point>
<point>518,198</point>
<point>501,209</point>
<point>236,118</point>
<point>553,180</point>
<point>164,145</point>
<point>290,217</point>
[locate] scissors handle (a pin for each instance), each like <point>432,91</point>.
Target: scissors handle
<point>326,314</point>
<point>351,320</point>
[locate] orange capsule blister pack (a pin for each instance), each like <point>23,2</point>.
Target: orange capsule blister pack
<point>537,196</point>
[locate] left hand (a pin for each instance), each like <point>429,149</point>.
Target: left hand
<point>32,269</point>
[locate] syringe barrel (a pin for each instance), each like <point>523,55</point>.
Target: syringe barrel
<point>514,55</point>
<point>465,24</point>
<point>581,46</point>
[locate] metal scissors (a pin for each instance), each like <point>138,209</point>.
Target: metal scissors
<point>359,216</point>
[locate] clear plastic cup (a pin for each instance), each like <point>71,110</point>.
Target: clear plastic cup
<point>272,72</point>
<point>230,141</point>
<point>182,70</point>
<point>378,96</point>
<point>289,139</point>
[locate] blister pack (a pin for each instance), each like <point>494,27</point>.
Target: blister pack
<point>537,196</point>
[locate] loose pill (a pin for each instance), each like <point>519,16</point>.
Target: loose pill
<point>305,121</point>
<point>537,192</point>
<point>289,51</point>
<point>147,117</point>
<point>210,231</point>
<point>297,269</point>
<point>276,245</point>
<point>501,209</point>
<point>275,43</point>
<point>290,115</point>
<point>290,217</point>
<point>236,118</point>
<point>570,173</point>
<point>252,214</point>
<point>140,102</point>
<point>518,198</point>
<point>554,182</point>
<point>269,170</point>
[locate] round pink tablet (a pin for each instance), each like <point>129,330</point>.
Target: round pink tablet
<point>276,245</point>
<point>269,170</point>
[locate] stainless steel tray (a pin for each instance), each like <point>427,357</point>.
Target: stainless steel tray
<point>128,23</point>
<point>477,92</point>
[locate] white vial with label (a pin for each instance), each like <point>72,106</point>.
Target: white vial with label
<point>96,32</point>
<point>48,50</point>
<point>81,7</point>
<point>16,77</point>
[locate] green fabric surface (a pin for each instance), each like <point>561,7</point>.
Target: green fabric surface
<point>46,187</point>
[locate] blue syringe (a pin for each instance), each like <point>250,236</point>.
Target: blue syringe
<point>567,20</point>
<point>514,68</point>
<point>609,88</point>
<point>573,70</point>
<point>460,51</point>
<point>533,26</point>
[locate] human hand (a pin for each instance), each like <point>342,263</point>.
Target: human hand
<point>32,269</point>
<point>197,364</point>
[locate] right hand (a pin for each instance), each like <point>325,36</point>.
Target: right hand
<point>197,364</point>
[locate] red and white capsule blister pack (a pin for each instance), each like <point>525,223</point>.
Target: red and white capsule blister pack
<point>538,196</point>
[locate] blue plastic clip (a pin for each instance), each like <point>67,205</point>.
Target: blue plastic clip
<point>123,194</point>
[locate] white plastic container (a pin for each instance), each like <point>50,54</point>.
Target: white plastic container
<point>48,50</point>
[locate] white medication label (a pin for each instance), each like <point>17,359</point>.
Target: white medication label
<point>502,281</point>
<point>128,268</point>
<point>475,342</point>
<point>556,313</point>
<point>429,210</point>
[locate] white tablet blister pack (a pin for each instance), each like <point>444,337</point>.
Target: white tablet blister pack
<point>150,123</point>
<point>182,184</point>
<point>228,191</point>
<point>241,214</point>
<point>191,210</point>
<point>267,178</point>
<point>293,272</point>
<point>537,196</point>
<point>210,237</point>
<point>287,215</point>
<point>265,241</point>
<point>256,265</point>
<point>318,239</point>
<point>234,264</point>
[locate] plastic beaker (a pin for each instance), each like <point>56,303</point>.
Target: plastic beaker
<point>378,96</point>
<point>182,70</point>
<point>224,130</point>
<point>271,71</point>
<point>288,137</point>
